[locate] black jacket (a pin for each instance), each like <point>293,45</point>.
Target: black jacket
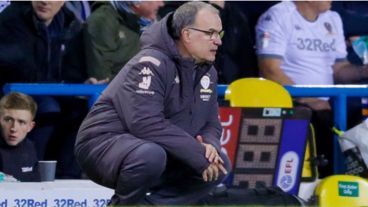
<point>236,57</point>
<point>19,161</point>
<point>32,52</point>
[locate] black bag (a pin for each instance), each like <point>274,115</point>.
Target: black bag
<point>262,196</point>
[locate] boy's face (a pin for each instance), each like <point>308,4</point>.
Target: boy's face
<point>15,125</point>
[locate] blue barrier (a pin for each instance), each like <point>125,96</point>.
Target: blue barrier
<point>93,91</point>
<point>338,94</point>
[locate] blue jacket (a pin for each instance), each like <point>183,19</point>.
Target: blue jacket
<point>157,97</point>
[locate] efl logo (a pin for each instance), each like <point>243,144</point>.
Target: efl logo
<point>288,170</point>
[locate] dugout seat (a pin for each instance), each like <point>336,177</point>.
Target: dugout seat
<point>341,191</point>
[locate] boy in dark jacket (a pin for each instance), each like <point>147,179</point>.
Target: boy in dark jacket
<point>17,154</point>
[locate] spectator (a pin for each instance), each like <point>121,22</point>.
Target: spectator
<point>17,154</point>
<point>42,41</point>
<point>302,42</point>
<point>236,57</point>
<point>39,43</point>
<point>156,128</point>
<point>112,35</point>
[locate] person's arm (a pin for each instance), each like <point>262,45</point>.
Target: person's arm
<point>272,42</point>
<point>211,131</point>
<point>142,107</point>
<point>345,72</point>
<point>209,136</point>
<point>270,68</point>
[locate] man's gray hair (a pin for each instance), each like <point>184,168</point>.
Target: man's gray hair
<point>186,14</point>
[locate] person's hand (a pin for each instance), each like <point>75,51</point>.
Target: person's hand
<point>216,163</point>
<point>211,153</point>
<point>315,103</point>
<point>93,80</point>
<point>212,172</point>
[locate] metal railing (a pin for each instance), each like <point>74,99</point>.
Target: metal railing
<point>337,93</point>
<point>92,91</point>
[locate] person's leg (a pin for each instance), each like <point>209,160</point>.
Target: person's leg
<point>180,185</point>
<point>139,170</point>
